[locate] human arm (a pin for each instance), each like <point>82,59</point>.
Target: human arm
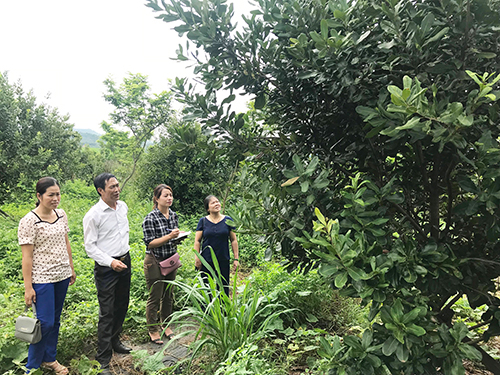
<point>152,227</point>
<point>68,248</point>
<point>27,265</point>
<point>234,247</point>
<point>157,242</point>
<point>90,236</point>
<point>197,246</point>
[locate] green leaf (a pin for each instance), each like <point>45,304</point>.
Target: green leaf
<point>339,14</point>
<point>324,29</point>
<point>316,37</point>
<point>474,77</point>
<point>470,352</point>
<point>319,215</point>
<point>436,37</point>
<point>402,353</point>
<point>452,112</point>
<point>340,280</point>
<point>412,315</point>
<point>426,24</point>
<point>486,55</point>
<point>396,198</point>
<point>467,184</point>
<point>311,318</point>
<point>307,74</point>
<point>390,346</point>
<point>411,124</point>
<point>310,199</point>
<point>387,45</point>
<point>357,274</point>
<point>363,36</point>
<point>260,101</point>
<point>397,311</point>
<point>415,330</point>
<point>407,81</point>
<point>367,338</point>
<point>304,186</point>
<point>353,342</point>
<point>327,270</point>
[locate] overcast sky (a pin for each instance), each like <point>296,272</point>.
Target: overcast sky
<point>64,49</point>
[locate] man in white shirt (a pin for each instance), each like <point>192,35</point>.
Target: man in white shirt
<point>106,237</point>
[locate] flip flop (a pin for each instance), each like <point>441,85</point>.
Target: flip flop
<point>56,367</point>
<point>170,336</point>
<point>157,341</point>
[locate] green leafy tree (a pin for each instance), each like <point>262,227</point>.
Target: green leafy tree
<point>35,141</point>
<point>379,114</point>
<point>187,161</point>
<point>137,111</point>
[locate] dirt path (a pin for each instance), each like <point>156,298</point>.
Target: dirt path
<point>125,364</point>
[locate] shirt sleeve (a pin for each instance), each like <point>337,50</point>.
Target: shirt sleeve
<point>65,218</point>
<point>148,230</point>
<point>230,223</point>
<point>199,227</point>
<point>26,231</point>
<point>90,235</point>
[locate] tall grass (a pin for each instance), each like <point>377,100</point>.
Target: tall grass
<point>220,322</point>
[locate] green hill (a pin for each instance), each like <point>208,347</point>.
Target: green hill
<point>89,137</point>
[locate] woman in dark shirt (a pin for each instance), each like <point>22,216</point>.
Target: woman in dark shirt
<point>214,232</point>
<point>160,228</point>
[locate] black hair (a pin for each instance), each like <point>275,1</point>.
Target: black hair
<point>43,184</point>
<point>207,200</point>
<point>157,193</point>
<point>100,181</point>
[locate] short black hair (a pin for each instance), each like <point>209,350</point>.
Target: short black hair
<point>100,181</point>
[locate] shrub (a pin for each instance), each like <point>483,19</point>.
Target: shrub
<point>224,323</point>
<point>316,303</point>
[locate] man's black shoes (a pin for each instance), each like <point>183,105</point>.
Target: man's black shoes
<point>122,349</point>
<point>105,370</point>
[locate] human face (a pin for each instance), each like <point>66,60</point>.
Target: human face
<point>213,206</point>
<point>51,198</point>
<point>111,192</point>
<point>166,199</point>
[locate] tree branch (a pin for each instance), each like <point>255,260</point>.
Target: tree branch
<point>414,223</point>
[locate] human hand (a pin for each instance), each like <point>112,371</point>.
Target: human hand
<point>73,277</point>
<point>197,263</point>
<point>29,296</point>
<point>174,233</point>
<point>118,265</point>
<point>236,264</point>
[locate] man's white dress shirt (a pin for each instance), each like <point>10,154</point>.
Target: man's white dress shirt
<point>106,232</point>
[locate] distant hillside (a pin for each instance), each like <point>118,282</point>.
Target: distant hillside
<point>89,137</point>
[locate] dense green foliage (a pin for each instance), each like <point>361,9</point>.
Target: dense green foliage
<point>183,159</point>
<point>35,140</point>
<point>77,341</point>
<point>378,113</point>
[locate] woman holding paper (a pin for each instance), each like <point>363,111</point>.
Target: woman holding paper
<point>160,228</point>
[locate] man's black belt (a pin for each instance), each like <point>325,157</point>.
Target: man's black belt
<point>121,258</point>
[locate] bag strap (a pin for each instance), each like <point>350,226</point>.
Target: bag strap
<point>33,307</point>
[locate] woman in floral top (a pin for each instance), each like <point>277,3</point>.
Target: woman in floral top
<point>47,270</point>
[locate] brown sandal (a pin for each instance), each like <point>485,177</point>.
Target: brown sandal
<point>56,367</point>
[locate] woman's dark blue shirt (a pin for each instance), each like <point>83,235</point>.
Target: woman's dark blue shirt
<point>215,236</point>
